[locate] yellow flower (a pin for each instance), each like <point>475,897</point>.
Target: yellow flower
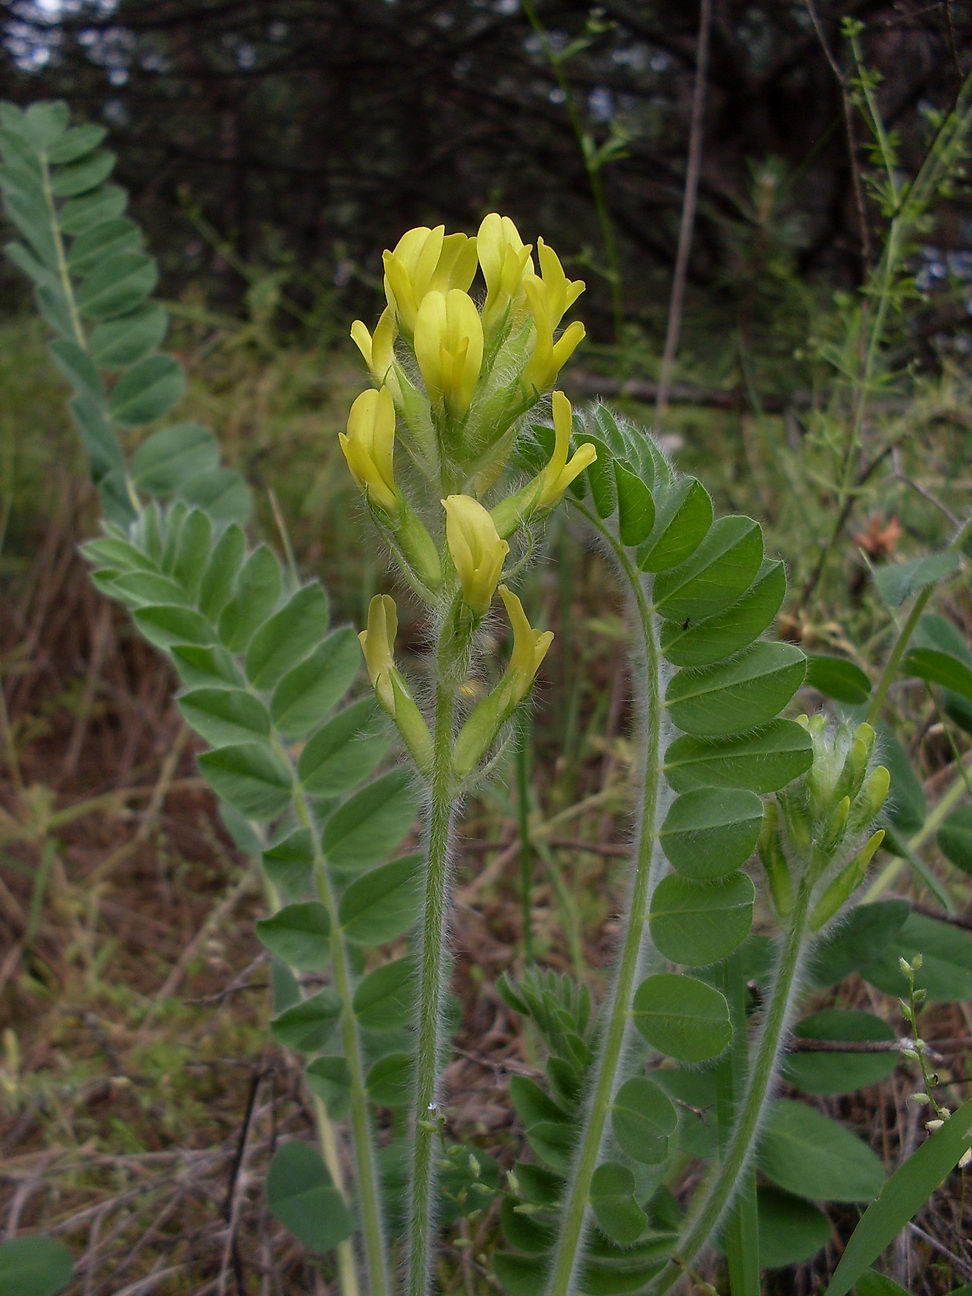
<point>529,647</point>
<point>560,292</point>
<point>560,472</point>
<point>426,260</point>
<point>505,260</point>
<point>369,447</point>
<point>378,349</point>
<point>550,296</point>
<point>449,347</point>
<point>477,551</point>
<point>378,647</point>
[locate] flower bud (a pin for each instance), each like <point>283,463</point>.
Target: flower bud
<point>378,647</point>
<point>449,348</point>
<point>505,260</point>
<point>369,447</point>
<point>426,260</point>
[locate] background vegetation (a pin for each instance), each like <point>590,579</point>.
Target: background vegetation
<point>273,149</point>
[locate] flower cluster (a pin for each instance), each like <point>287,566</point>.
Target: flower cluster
<point>455,375</point>
<point>828,818</point>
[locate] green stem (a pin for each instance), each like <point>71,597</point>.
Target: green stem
<point>431,988</point>
<point>569,1250</point>
<point>523,830</point>
<point>727,1175</point>
<point>368,1184</point>
<point>740,1233</point>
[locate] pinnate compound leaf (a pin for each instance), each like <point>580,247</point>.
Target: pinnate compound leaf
<point>223,716</point>
<point>902,1197</point>
<point>382,903</point>
<point>289,863</point>
<point>110,238</point>
<point>344,751</point>
<point>329,1077</point>
<point>171,455</point>
<point>612,1200</point>
<point>168,623</point>
<point>790,1229</point>
<point>258,590</point>
<point>867,931</point>
<point>147,391</point>
<point>762,761</point>
<point>736,695</point>
<point>104,203</point>
<point>82,176</point>
<point>681,522</point>
<point>117,286</point>
<point>838,678</point>
<point>302,1196</point>
<point>120,342</point>
<point>721,569</point>
<point>390,1080</point>
<point>250,777</point>
<point>898,581</point>
<point>636,506</point>
<point>287,638</point>
<point>308,692</point>
<point>299,935</point>
<point>386,997</point>
<point>940,668</point>
<point>699,643</point>
<point>711,831</point>
<point>946,971</point>
<point>810,1155</point>
<point>38,1265</point>
<point>372,822</point>
<point>221,571</point>
<point>836,1073</point>
<point>698,923</point>
<point>643,1119</point>
<point>682,1017</point>
<point>955,838</point>
<point>75,143</point>
<point>222,492</point>
<point>307,1026</point>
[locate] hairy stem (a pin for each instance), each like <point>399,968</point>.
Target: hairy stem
<point>721,1184</point>
<point>569,1250</point>
<point>431,988</point>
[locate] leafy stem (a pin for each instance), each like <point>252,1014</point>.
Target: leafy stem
<point>574,1219</point>
<point>727,1175</point>
<point>429,994</point>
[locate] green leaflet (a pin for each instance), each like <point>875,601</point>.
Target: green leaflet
<point>711,831</point>
<point>302,1196</point>
<point>738,694</point>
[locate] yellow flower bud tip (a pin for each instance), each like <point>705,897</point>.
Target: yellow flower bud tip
<point>449,347</point>
<point>548,357</point>
<point>477,551</point>
<point>561,292</point>
<point>369,447</point>
<point>426,260</point>
<point>377,349</point>
<point>529,646</point>
<point>505,261</point>
<point>378,647</point>
<point>560,472</point>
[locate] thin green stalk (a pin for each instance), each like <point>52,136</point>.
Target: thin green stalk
<point>568,1253</point>
<point>740,1234</point>
<point>62,267</point>
<point>727,1175</point>
<point>344,1251</point>
<point>904,636</point>
<point>430,995</point>
<point>366,1164</point>
<point>523,830</point>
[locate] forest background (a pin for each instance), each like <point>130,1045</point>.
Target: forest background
<point>272,149</point>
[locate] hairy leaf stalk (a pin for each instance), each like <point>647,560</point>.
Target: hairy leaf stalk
<point>636,948</point>
<point>726,1176</point>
